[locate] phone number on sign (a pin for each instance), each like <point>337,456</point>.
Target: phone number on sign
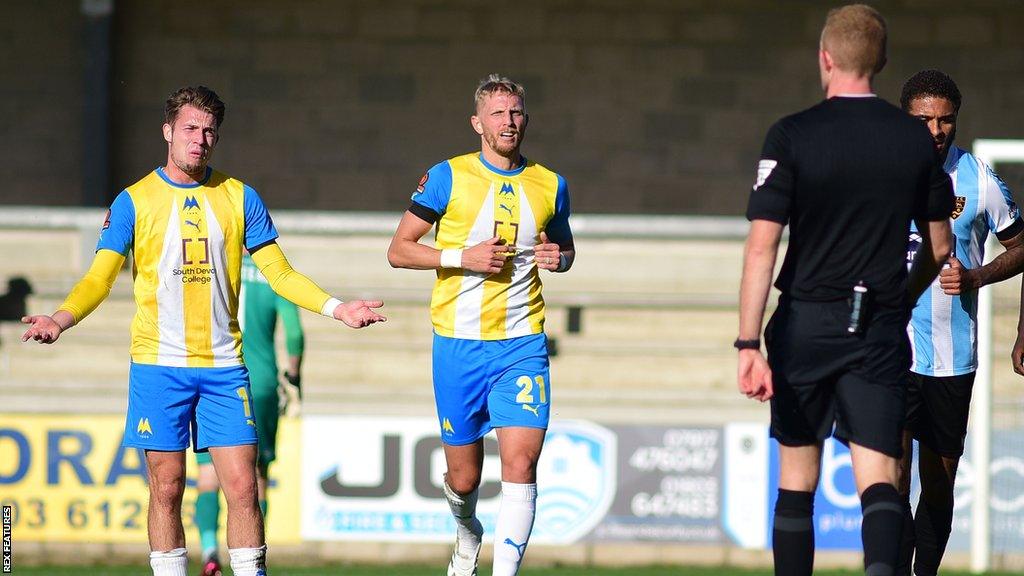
<point>36,513</point>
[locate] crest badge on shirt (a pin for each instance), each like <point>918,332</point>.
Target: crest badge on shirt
<point>958,206</point>
<point>419,187</point>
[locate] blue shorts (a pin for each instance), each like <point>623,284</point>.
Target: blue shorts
<point>169,405</point>
<point>485,384</point>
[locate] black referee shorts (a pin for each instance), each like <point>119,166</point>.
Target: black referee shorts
<point>937,410</point>
<point>824,376</point>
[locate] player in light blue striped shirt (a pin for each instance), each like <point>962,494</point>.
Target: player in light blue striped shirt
<point>944,327</point>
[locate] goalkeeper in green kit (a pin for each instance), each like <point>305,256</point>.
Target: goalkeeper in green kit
<point>259,308</point>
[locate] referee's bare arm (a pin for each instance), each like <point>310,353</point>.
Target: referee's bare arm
<point>935,249</point>
<point>754,377</point>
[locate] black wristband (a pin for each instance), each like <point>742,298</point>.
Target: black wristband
<point>293,379</point>
<point>741,344</point>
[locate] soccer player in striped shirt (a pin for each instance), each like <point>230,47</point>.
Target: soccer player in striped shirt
<point>186,226</point>
<point>500,219</point>
<point>944,327</point>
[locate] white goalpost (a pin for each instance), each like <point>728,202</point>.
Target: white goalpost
<point>990,152</point>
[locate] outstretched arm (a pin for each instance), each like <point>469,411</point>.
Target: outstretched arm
<point>754,377</point>
<point>90,291</point>
<point>297,288</point>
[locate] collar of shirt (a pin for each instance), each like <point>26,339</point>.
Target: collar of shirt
<point>952,158</point>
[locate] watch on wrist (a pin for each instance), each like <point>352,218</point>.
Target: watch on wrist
<point>741,344</point>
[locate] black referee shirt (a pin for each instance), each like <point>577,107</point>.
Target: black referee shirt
<point>848,176</point>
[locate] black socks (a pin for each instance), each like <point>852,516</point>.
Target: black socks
<point>882,507</point>
<point>793,533</point>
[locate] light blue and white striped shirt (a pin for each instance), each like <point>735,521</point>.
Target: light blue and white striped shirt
<point>944,329</point>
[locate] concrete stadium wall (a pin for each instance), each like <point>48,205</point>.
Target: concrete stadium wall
<point>40,103</point>
<point>646,106</point>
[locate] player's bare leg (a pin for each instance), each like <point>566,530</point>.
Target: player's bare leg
<point>236,469</point>
<point>872,467</point>
<point>461,485</point>
<point>799,466</point>
<point>166,487</point>
<point>166,533</point>
<point>793,527</point>
<point>876,475</point>
<point>520,450</point>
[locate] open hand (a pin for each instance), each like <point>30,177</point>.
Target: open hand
<point>42,329</point>
<point>359,313</point>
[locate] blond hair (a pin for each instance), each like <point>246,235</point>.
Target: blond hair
<point>496,83</point>
<point>855,37</point>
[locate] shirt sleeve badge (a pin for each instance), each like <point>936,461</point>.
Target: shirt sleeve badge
<point>764,170</point>
<point>423,182</point>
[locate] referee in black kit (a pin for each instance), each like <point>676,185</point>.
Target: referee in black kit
<point>848,175</point>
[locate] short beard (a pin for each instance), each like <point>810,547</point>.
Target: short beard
<point>510,152</point>
<point>193,170</point>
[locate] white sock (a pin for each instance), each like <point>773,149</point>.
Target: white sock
<point>513,527</point>
<point>463,508</point>
<point>249,561</point>
<point>171,563</point>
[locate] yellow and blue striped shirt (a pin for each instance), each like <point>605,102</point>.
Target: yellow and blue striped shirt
<point>187,245</point>
<point>472,201</point>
